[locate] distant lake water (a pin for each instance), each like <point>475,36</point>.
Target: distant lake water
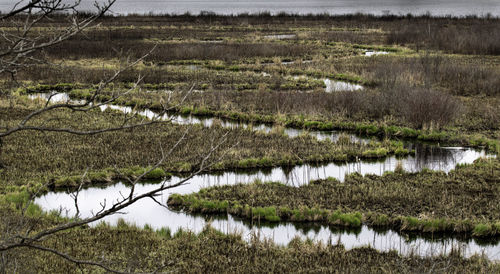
<point>378,7</point>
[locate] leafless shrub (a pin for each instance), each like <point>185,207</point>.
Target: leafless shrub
<point>482,38</point>
<point>425,108</point>
<point>458,77</point>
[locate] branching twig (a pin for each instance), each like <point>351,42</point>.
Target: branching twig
<point>19,53</point>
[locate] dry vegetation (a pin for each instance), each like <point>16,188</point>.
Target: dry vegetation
<point>210,251</point>
<point>440,82</point>
<point>423,89</point>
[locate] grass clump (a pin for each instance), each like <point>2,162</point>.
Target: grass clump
<point>486,229</point>
<point>345,219</point>
<point>267,213</point>
<point>375,153</point>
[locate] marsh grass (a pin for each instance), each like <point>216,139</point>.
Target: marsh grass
<point>61,159</point>
<point>429,110</point>
<point>317,111</point>
<point>462,202</point>
<point>413,90</point>
<point>398,89</point>
<point>405,105</point>
<point>175,51</point>
<point>145,250</point>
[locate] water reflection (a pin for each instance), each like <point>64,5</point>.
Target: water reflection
<point>333,86</point>
<point>204,121</point>
<point>280,36</point>
<point>370,53</point>
<point>149,212</point>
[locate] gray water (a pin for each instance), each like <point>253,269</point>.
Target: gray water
<point>333,85</point>
<point>280,36</point>
<point>149,212</point>
<point>377,7</point>
<point>370,53</point>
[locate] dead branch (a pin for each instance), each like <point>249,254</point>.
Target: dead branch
<point>20,46</point>
<point>19,51</point>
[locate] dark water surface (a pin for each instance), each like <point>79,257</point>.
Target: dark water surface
<point>378,7</point>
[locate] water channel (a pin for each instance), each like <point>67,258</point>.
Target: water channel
<point>149,212</point>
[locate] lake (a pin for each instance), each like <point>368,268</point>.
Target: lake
<point>378,7</point>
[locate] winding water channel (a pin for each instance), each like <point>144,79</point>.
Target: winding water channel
<point>149,212</point>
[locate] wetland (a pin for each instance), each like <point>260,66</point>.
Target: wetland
<point>357,139</point>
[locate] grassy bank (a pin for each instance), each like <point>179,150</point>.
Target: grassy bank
<point>34,157</point>
<point>463,201</point>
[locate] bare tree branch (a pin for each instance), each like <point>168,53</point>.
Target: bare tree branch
<point>20,47</point>
<point>86,106</point>
<point>24,241</point>
<point>19,51</point>
<point>18,9</point>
